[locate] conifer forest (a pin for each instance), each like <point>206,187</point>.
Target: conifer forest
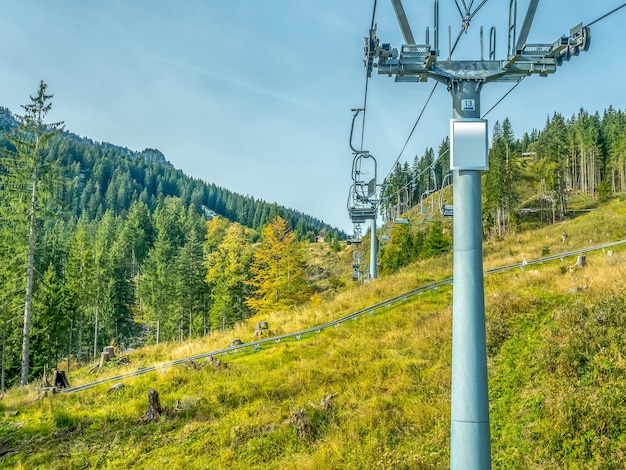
<point>103,245</point>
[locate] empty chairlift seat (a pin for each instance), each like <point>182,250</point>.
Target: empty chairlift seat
<point>361,214</point>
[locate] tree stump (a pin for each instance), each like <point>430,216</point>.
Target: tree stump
<point>261,329</point>
<point>154,407</point>
<point>59,379</point>
<point>581,261</point>
<point>109,351</point>
<point>302,423</point>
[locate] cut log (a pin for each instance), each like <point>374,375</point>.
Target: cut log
<point>154,407</point>
<point>117,386</point>
<point>123,361</point>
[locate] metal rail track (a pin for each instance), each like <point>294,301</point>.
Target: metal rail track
<point>256,345</point>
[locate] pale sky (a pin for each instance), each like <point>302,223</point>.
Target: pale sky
<point>255,95</point>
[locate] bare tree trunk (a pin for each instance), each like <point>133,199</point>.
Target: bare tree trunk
<point>69,346</point>
<point>29,282</point>
<point>79,346</point>
<point>3,363</point>
<point>95,332</point>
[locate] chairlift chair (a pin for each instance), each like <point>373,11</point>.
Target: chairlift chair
<point>447,210</point>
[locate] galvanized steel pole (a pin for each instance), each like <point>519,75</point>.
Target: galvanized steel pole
<point>469,434</point>
<point>373,251</point>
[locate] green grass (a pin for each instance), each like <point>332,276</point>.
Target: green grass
<point>557,368</point>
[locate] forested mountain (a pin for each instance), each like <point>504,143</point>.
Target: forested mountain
<point>103,176</point>
<point>102,245</point>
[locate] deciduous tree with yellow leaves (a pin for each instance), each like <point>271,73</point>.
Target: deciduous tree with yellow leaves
<point>277,272</point>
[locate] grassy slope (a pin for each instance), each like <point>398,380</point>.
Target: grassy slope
<point>557,379</point>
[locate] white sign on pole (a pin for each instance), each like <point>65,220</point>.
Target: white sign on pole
<point>468,144</point>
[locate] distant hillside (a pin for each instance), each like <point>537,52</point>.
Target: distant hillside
<point>103,176</point>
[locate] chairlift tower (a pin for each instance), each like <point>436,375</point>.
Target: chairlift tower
<point>464,79</point>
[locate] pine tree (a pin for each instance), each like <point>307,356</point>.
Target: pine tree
<point>30,182</point>
<point>553,150</point>
<point>102,281</point>
<point>436,241</point>
<point>190,286</point>
<point>79,274</point>
<point>228,274</point>
<point>501,181</point>
<point>156,285</point>
<point>50,321</point>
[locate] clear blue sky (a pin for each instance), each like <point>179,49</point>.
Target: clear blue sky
<point>255,96</point>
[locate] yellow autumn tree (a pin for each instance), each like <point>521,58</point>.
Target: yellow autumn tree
<point>277,272</point>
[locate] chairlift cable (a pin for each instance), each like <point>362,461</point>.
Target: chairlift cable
<point>373,15</point>
<point>412,130</point>
<point>373,22</point>
<point>505,95</point>
<point>416,177</point>
<point>458,7</point>
<point>607,14</point>
<point>456,43</point>
<point>364,108</point>
<point>470,16</point>
<point>520,80</point>
<point>465,25</point>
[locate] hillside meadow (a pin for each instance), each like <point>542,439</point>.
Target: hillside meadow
<point>373,393</point>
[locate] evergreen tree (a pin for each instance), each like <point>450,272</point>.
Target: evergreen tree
<point>228,275</point>
<point>190,286</point>
<point>436,241</point>
<point>102,282</point>
<point>156,285</point>
<point>29,182</point>
<point>552,163</point>
<point>501,181</point>
<point>50,321</point>
<point>614,131</point>
<point>79,271</point>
